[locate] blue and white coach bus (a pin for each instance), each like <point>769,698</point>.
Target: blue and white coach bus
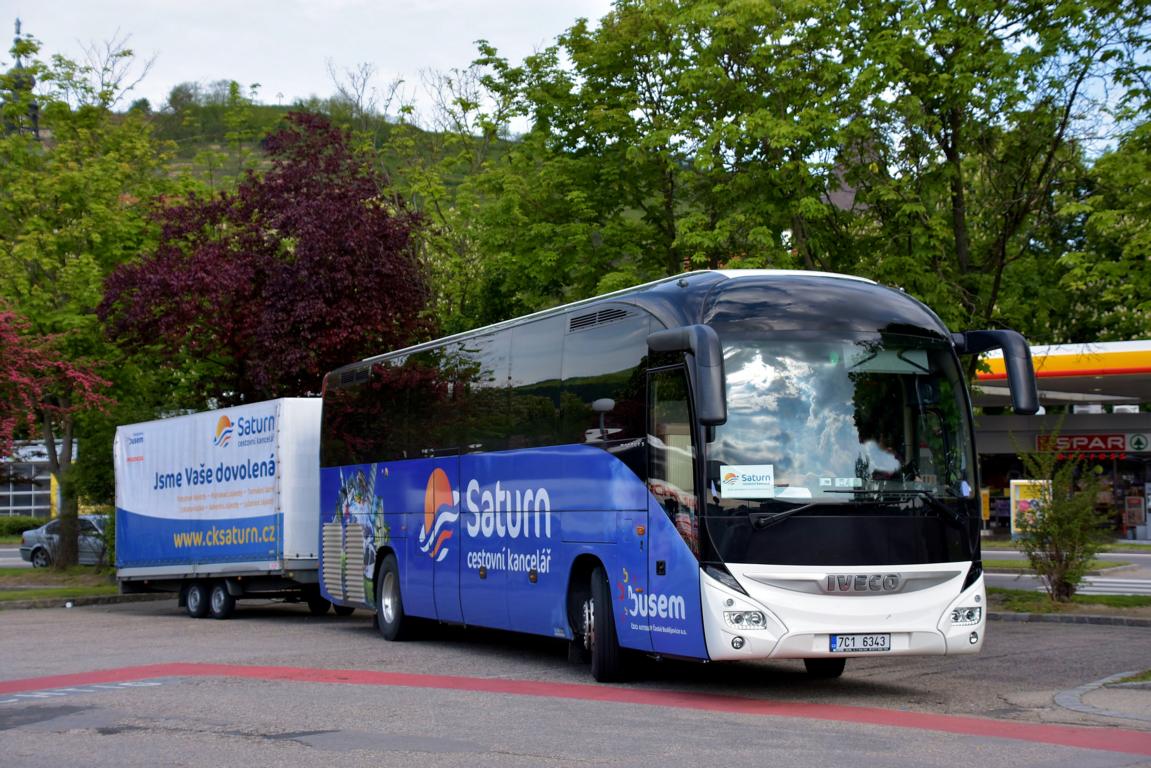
<point>722,465</point>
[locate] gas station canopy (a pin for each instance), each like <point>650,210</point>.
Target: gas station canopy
<point>1110,372</point>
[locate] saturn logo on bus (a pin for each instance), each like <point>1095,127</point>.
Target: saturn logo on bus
<point>439,513</point>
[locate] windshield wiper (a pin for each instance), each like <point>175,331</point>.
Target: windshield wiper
<point>761,520</point>
<point>929,500</point>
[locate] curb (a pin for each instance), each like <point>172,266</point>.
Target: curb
<point>1073,699</point>
<point>76,602</point>
<point>1066,618</point>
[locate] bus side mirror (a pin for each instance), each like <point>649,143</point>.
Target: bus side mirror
<point>702,344</point>
<point>1016,359</point>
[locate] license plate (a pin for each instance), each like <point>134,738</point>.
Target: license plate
<point>860,643</point>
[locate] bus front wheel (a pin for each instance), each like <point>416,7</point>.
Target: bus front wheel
<point>824,669</point>
<point>390,617</point>
<point>599,631</point>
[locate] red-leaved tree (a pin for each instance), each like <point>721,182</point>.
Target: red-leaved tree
<point>257,293</point>
<point>40,392</point>
<point>37,384</point>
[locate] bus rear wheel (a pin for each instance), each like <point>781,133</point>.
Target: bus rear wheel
<point>599,631</point>
<point>824,669</point>
<point>390,618</point>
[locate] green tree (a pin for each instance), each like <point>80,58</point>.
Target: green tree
<point>966,116</point>
<point>930,146</point>
<point>1113,263</point>
<point>72,207</point>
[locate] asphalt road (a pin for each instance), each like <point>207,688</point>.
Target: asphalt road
<point>144,685</point>
<point>10,558</point>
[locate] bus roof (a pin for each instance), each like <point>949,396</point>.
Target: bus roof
<point>717,275</point>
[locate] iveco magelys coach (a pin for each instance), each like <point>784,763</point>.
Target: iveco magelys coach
<point>721,465</point>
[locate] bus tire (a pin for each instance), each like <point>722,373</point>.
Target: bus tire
<point>824,669</point>
<point>390,618</point>
<point>344,610</point>
<point>196,600</point>
<point>221,604</point>
<point>602,643</point>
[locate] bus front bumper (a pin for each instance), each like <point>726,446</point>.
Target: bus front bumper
<point>785,613</point>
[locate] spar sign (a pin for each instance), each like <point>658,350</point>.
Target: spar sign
<point>1135,442</point>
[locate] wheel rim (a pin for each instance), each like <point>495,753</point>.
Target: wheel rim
<point>589,625</point>
<point>218,599</point>
<point>40,559</point>
<point>388,598</point>
<point>194,598</point>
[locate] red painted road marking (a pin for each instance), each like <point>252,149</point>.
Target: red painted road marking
<point>1104,739</point>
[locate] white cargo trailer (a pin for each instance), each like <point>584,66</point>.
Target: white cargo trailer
<point>221,505</point>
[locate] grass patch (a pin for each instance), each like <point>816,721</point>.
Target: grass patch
<point>1142,677</point>
<point>1025,601</point>
<point>10,541</point>
<point>61,593</point>
<point>1129,546</point>
<point>49,583</point>
<point>1025,565</point>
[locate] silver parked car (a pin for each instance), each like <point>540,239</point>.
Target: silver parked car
<point>39,545</point>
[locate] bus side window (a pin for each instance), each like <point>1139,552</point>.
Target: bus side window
<point>602,400</point>
<point>484,367</point>
<point>537,362</point>
<point>671,470</point>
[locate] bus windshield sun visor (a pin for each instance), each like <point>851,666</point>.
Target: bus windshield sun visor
<point>702,343</point>
<point>1016,359</point>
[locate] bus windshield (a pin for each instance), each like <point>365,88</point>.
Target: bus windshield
<point>874,427</point>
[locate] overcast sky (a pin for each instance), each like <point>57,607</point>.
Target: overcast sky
<point>285,44</point>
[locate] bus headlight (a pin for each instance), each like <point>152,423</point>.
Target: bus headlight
<point>964,616</point>
<point>745,619</point>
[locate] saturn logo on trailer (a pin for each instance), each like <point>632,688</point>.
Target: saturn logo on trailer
<point>223,431</point>
<point>439,514</point>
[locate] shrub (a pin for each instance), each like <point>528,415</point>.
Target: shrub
<point>17,524</point>
<point>1066,532</point>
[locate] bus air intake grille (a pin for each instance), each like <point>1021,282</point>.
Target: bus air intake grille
<point>592,319</point>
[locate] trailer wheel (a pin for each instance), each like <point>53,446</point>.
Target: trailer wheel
<point>221,603</point>
<point>599,629</point>
<point>318,605</point>
<point>196,600</point>
<point>344,610</point>
<point>824,669</point>
<point>390,617</point>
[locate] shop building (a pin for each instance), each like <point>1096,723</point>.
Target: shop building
<point>1096,402</point>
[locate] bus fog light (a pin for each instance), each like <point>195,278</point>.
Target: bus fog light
<point>737,642</point>
<point>745,619</point>
<point>974,638</point>
<point>962,616</point>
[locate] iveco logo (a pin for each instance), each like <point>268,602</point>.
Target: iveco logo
<point>873,582</point>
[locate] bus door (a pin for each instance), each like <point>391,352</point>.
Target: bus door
<point>483,572</point>
<point>629,582</point>
<point>672,607</point>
